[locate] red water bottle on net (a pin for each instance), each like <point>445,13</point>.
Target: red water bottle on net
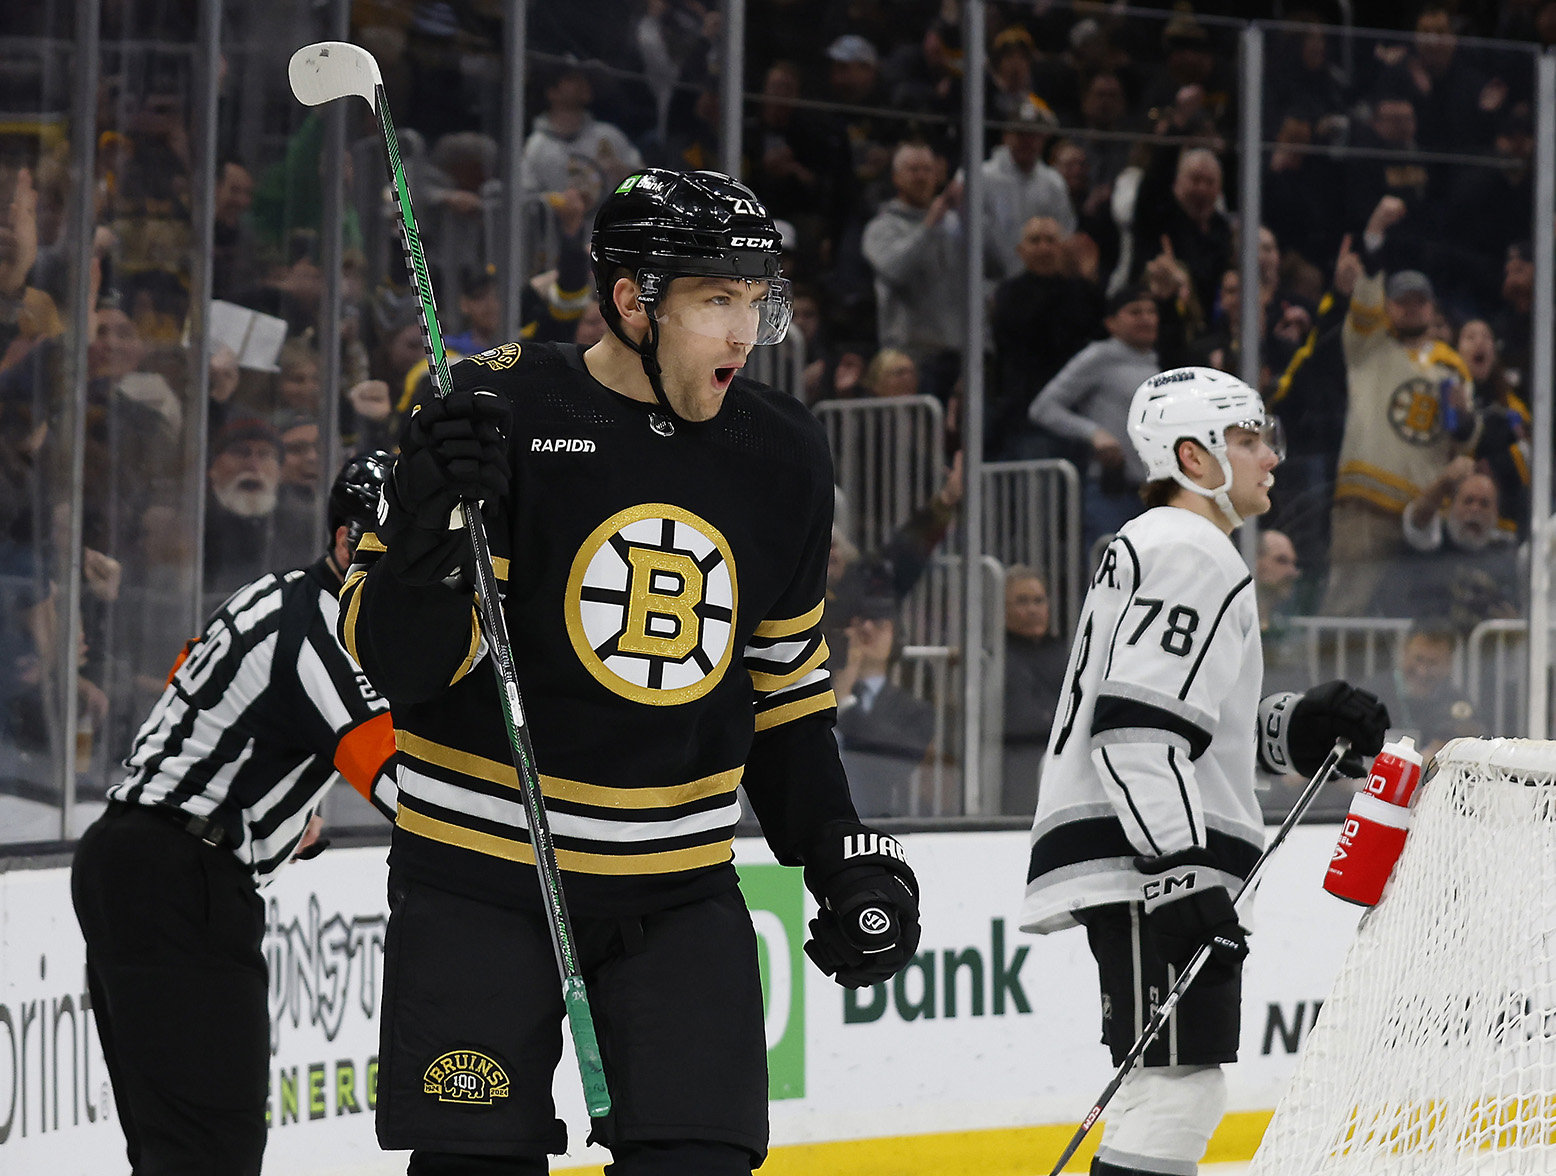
<point>1373,835</point>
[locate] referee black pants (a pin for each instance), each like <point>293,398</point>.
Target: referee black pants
<point>177,976</point>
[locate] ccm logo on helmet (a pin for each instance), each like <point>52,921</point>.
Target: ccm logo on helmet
<point>752,242</point>
<point>1171,378</point>
<point>561,445</point>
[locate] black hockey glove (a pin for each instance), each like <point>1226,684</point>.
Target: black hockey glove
<point>867,929</point>
<point>1296,731</point>
<point>1187,907</point>
<point>453,450</point>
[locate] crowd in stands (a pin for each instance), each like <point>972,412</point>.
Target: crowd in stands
<point>1395,293</point>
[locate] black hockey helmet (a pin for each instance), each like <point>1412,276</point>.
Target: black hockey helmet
<point>659,225</point>
<point>678,223</point>
<point>354,496</point>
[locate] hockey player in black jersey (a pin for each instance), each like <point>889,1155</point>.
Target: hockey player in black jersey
<point>1146,807</point>
<point>660,529</point>
<point>262,714</point>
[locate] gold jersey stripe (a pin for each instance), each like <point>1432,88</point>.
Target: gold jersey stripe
<point>768,683</point>
<point>790,627</point>
<point>500,567</point>
<point>353,587</point>
<point>557,788</point>
<point>669,861</point>
<point>1362,469</point>
<point>371,542</point>
<point>790,711</point>
<point>475,648</point>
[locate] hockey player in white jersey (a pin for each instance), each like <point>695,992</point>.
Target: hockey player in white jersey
<point>1146,811</point>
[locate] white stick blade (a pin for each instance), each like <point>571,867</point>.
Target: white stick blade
<point>333,69</point>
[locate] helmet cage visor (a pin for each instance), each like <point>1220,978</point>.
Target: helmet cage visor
<point>751,312</point>
<point>1269,430</point>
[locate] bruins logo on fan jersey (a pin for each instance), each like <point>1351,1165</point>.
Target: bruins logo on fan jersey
<point>504,355</point>
<point>651,604</point>
<point>1414,411</point>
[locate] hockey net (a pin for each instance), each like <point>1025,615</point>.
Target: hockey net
<point>1436,1050</point>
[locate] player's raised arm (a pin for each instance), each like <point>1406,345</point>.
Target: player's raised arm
<point>408,614</point>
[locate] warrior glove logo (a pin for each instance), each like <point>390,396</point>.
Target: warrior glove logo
<point>868,844</point>
<point>466,1076</point>
<point>651,605</point>
<point>874,921</point>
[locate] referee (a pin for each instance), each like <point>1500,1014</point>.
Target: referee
<point>262,713</point>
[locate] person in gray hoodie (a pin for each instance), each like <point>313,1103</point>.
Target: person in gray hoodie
<point>1088,403</point>
<point>570,148</point>
<point>914,244</point>
<point>1018,185</point>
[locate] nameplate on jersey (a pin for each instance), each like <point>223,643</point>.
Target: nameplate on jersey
<point>650,604</point>
<point>466,1076</point>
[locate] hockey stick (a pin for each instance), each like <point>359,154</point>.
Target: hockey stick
<point>321,73</point>
<point>1165,1009</point>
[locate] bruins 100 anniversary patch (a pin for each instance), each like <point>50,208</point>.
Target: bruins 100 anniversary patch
<point>466,1076</point>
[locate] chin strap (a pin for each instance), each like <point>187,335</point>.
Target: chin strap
<point>648,353</point>
<point>1218,495</point>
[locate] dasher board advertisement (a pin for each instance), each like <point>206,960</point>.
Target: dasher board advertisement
<point>987,1029</point>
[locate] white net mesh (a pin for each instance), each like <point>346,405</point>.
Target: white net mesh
<point>1436,1051</point>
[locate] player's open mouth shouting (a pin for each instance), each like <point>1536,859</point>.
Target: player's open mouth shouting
<point>722,376</point>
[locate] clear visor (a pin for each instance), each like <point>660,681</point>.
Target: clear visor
<point>1269,430</point>
<point>748,313</point>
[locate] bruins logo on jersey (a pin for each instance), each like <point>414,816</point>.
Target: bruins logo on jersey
<point>651,604</point>
<point>1414,411</point>
<point>504,355</point>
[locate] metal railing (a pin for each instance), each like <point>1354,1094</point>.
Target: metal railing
<point>887,459</point>
<point>933,668</point>
<point>780,366</point>
<point>1032,516</point>
<point>1497,674</point>
<point>1336,645</point>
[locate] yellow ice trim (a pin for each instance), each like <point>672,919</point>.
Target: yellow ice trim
<point>1015,1151</point>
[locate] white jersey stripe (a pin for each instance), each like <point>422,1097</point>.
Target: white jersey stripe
<point>417,785</point>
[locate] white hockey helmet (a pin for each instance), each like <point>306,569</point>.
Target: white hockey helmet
<point>1198,404</point>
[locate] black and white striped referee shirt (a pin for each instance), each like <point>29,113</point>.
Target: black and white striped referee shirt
<point>262,713</point>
